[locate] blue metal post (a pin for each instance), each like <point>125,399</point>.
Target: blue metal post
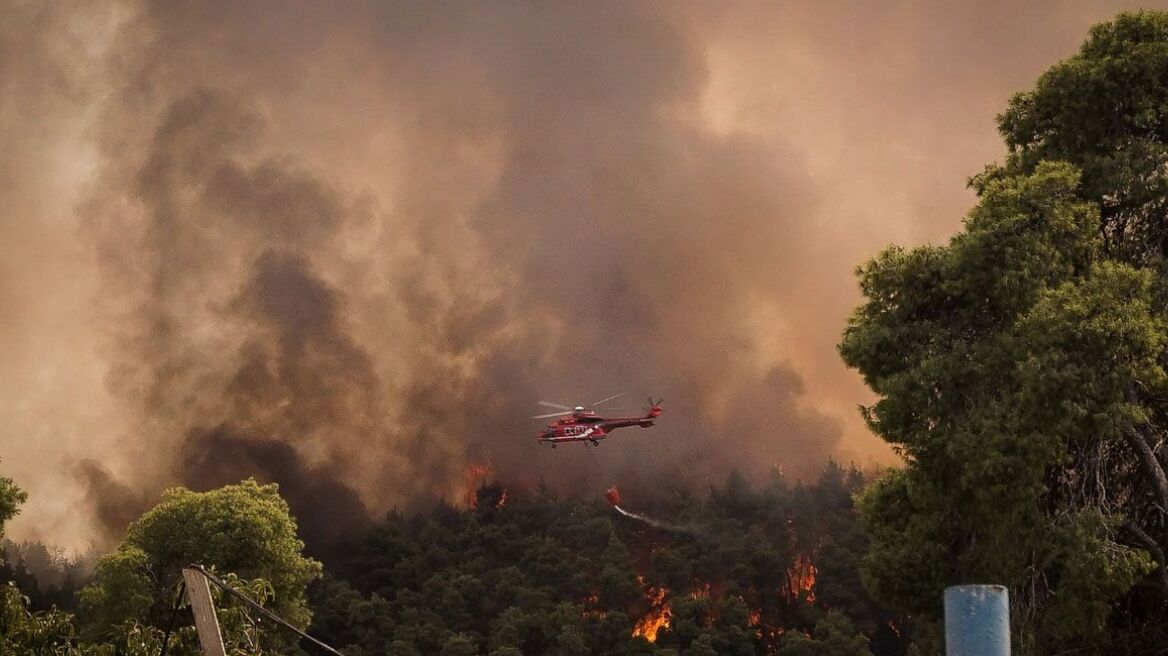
<point>977,621</point>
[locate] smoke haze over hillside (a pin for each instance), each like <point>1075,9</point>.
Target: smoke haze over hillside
<point>347,246</point>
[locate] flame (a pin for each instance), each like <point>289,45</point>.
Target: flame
<point>801,579</point>
<point>471,479</point>
<point>659,615</point>
<point>502,499</point>
<point>755,617</point>
<point>591,605</point>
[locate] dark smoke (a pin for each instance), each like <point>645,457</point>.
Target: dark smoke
<point>346,246</point>
<point>612,247</point>
<point>330,514</point>
<point>114,504</point>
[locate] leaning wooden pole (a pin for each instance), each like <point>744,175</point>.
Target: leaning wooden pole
<point>207,624</point>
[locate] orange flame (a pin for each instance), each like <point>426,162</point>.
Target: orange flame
<point>502,499</point>
<point>591,605</point>
<point>801,579</point>
<point>471,479</point>
<point>658,616</point>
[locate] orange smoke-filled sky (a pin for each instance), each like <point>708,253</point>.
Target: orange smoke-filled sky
<point>348,246</point>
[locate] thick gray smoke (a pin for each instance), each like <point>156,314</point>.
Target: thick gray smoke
<point>347,246</point>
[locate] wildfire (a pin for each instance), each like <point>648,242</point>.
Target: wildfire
<point>659,615</point>
<point>801,579</point>
<point>474,475</point>
<point>591,606</point>
<point>502,499</point>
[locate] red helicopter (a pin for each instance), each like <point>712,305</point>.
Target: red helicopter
<point>581,424</point>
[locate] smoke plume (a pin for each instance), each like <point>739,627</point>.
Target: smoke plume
<point>347,246</point>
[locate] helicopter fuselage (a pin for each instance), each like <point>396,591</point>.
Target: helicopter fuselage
<point>587,426</point>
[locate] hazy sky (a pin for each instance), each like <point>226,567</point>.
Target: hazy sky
<point>347,246</point>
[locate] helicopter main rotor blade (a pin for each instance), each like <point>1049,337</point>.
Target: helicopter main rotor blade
<point>553,414</point>
<point>606,400</point>
<point>555,405</point>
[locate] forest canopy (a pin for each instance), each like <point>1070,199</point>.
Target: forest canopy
<point>741,570</point>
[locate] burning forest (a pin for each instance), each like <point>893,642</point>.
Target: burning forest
<point>279,289</point>
<point>539,574</point>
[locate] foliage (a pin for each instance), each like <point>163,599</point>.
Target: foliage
<point>1103,110</point>
<point>245,529</point>
<point>533,575</point>
<point>834,636</point>
<point>11,497</point>
<point>128,589</point>
<point>539,575</point>
<point>1020,369</point>
<point>33,633</point>
<point>53,632</point>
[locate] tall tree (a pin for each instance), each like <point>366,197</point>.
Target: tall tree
<point>1021,368</point>
<point>245,529</point>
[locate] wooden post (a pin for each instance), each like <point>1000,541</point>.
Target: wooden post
<point>199,593</point>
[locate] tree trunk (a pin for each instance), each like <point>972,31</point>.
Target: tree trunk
<point>1155,474</point>
<point>1157,552</point>
<point>1151,465</point>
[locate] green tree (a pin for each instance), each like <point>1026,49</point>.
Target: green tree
<point>979,351</point>
<point>24,632</point>
<point>11,497</point>
<point>1103,110</point>
<point>28,633</point>
<point>834,636</point>
<point>618,579</point>
<point>703,646</point>
<point>245,529</point>
<point>1020,369</point>
<point>571,642</point>
<point>459,644</point>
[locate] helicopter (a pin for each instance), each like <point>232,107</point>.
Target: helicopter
<point>582,423</point>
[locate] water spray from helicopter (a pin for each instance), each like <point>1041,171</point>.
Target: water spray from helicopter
<point>612,494</point>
